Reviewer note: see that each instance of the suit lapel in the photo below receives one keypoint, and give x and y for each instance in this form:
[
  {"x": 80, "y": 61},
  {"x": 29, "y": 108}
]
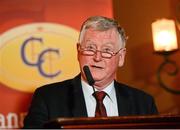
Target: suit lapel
[
  {"x": 79, "y": 107},
  {"x": 78, "y": 101},
  {"x": 123, "y": 100}
]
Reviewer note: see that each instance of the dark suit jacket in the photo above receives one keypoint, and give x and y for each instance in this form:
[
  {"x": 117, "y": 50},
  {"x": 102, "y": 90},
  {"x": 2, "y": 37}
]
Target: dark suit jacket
[{"x": 65, "y": 99}]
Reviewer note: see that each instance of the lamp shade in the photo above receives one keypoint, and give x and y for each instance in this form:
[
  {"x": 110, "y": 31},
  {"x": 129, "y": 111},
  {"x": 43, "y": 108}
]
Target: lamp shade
[{"x": 164, "y": 35}]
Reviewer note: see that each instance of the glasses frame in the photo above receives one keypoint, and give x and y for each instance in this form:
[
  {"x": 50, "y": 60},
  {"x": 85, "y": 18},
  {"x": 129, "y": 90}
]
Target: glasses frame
[{"x": 81, "y": 49}]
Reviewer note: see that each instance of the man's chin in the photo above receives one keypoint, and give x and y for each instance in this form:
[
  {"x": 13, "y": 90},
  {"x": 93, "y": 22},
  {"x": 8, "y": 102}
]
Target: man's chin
[
  {"x": 98, "y": 79},
  {"x": 98, "y": 76}
]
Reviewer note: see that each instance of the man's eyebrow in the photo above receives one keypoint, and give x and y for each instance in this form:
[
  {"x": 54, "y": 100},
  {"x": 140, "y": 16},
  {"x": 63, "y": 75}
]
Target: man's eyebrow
[
  {"x": 110, "y": 44},
  {"x": 88, "y": 40}
]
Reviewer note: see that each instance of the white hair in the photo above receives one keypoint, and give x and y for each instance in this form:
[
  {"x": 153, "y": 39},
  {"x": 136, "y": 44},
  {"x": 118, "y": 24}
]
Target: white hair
[{"x": 101, "y": 23}]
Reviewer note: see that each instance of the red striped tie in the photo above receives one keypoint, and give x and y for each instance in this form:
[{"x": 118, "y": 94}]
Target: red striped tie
[{"x": 100, "y": 108}]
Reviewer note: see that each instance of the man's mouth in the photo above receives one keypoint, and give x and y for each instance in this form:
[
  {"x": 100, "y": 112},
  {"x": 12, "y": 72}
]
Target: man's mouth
[{"x": 94, "y": 66}]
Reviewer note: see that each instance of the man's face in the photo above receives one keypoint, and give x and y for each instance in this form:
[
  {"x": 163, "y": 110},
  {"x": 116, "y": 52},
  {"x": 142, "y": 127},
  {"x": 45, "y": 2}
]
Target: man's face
[{"x": 103, "y": 69}]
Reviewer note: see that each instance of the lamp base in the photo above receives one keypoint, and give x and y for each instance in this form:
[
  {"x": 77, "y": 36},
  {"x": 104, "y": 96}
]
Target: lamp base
[
  {"x": 166, "y": 53},
  {"x": 161, "y": 69}
]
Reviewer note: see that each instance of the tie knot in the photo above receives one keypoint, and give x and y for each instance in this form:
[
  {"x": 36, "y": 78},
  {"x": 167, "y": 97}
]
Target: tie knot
[{"x": 99, "y": 95}]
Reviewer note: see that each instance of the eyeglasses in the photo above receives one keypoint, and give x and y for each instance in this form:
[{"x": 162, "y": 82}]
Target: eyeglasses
[{"x": 91, "y": 51}]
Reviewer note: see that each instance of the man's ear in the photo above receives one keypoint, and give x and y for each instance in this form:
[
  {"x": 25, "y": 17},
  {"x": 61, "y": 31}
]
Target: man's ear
[
  {"x": 77, "y": 47},
  {"x": 122, "y": 57}
]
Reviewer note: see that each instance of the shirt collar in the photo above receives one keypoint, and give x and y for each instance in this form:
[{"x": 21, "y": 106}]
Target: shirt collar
[{"x": 89, "y": 89}]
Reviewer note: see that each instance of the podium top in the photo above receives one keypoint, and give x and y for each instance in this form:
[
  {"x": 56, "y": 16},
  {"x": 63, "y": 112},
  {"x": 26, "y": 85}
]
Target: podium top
[{"x": 149, "y": 121}]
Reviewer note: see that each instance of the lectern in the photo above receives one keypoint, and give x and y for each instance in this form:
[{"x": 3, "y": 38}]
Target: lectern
[{"x": 140, "y": 122}]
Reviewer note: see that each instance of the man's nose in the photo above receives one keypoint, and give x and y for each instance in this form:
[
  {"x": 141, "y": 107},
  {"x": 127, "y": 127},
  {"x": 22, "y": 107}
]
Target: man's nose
[{"x": 97, "y": 56}]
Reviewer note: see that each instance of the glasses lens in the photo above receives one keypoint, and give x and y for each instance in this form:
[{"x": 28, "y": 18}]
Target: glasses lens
[
  {"x": 88, "y": 52},
  {"x": 106, "y": 55}
]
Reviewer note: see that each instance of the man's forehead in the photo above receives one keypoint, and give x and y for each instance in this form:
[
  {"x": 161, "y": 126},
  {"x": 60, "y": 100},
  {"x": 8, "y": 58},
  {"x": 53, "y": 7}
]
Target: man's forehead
[{"x": 105, "y": 34}]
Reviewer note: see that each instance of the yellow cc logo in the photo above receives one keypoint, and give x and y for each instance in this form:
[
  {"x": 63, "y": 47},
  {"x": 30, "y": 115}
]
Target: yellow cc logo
[{"x": 35, "y": 54}]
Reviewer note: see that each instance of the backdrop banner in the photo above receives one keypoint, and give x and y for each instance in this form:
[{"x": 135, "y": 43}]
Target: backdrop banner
[{"x": 38, "y": 46}]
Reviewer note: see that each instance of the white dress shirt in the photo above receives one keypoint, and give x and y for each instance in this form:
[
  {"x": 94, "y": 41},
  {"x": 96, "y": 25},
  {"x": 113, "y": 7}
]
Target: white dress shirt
[{"x": 110, "y": 101}]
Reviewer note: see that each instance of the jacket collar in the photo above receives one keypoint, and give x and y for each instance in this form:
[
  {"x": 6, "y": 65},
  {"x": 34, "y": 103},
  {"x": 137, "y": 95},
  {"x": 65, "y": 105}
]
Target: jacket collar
[
  {"x": 123, "y": 99},
  {"x": 79, "y": 106}
]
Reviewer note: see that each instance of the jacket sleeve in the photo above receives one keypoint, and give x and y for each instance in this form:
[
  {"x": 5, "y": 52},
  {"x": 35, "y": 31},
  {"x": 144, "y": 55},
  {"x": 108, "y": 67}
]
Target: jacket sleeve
[
  {"x": 152, "y": 107},
  {"x": 38, "y": 113}
]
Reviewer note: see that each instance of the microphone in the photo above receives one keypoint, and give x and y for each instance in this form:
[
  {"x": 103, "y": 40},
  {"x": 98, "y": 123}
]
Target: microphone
[
  {"x": 91, "y": 83},
  {"x": 89, "y": 76}
]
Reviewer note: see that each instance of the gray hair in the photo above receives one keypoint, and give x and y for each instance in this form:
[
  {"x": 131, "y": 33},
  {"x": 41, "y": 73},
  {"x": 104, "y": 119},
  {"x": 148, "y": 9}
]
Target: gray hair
[{"x": 101, "y": 23}]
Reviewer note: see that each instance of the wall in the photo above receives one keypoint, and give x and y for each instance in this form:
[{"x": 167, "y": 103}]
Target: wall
[{"x": 141, "y": 63}]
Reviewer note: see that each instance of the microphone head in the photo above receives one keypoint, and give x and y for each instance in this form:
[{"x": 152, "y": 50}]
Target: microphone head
[{"x": 88, "y": 75}]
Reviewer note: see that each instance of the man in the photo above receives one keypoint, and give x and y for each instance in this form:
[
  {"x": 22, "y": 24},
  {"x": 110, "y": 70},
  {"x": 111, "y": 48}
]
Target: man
[{"x": 101, "y": 47}]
